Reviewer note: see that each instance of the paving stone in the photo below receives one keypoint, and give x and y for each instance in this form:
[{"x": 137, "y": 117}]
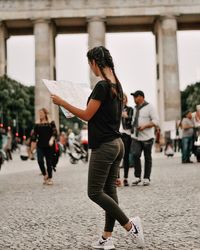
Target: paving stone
[{"x": 61, "y": 217}]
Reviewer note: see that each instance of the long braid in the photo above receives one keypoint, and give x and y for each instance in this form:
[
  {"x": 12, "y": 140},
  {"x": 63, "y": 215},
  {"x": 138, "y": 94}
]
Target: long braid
[{"x": 103, "y": 59}]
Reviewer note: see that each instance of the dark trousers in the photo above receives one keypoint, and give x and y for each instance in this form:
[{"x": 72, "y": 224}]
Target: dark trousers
[
  {"x": 187, "y": 145},
  {"x": 47, "y": 154},
  {"x": 127, "y": 145},
  {"x": 137, "y": 147},
  {"x": 102, "y": 175}
]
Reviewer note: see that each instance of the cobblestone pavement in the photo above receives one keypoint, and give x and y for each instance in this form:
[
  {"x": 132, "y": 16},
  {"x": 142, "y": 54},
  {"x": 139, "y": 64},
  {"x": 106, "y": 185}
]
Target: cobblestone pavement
[{"x": 34, "y": 216}]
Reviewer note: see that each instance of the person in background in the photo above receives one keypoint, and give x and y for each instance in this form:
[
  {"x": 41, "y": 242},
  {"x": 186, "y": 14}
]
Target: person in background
[
  {"x": 187, "y": 126},
  {"x": 8, "y": 146},
  {"x": 63, "y": 141},
  {"x": 158, "y": 137},
  {"x": 45, "y": 133},
  {"x": 103, "y": 113},
  {"x": 125, "y": 130},
  {"x": 144, "y": 121},
  {"x": 71, "y": 139},
  {"x": 196, "y": 120},
  {"x": 84, "y": 139},
  {"x": 178, "y": 138},
  {"x": 169, "y": 148}
]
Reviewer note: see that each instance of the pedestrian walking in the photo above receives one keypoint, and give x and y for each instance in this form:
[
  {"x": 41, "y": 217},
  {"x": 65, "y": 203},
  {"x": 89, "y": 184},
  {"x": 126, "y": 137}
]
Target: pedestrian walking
[
  {"x": 125, "y": 130},
  {"x": 103, "y": 113},
  {"x": 187, "y": 125},
  {"x": 144, "y": 121},
  {"x": 8, "y": 146},
  {"x": 44, "y": 134}
]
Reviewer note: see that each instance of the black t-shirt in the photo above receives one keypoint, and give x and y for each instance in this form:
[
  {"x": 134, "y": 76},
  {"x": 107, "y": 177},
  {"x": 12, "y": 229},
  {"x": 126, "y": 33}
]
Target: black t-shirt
[
  {"x": 43, "y": 132},
  {"x": 104, "y": 125}
]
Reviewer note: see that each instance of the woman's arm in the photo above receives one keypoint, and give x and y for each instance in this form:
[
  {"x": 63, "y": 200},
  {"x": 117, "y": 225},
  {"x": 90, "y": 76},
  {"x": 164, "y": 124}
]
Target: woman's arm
[{"x": 86, "y": 114}]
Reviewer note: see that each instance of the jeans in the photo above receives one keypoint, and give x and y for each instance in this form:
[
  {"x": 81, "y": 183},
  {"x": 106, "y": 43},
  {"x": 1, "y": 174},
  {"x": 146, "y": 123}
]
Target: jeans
[
  {"x": 136, "y": 148},
  {"x": 102, "y": 175},
  {"x": 47, "y": 154},
  {"x": 187, "y": 144}
]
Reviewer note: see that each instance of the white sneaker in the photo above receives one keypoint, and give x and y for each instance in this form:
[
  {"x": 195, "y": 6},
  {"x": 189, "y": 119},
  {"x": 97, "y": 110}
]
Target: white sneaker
[
  {"x": 136, "y": 181},
  {"x": 104, "y": 244},
  {"x": 146, "y": 182},
  {"x": 137, "y": 232}
]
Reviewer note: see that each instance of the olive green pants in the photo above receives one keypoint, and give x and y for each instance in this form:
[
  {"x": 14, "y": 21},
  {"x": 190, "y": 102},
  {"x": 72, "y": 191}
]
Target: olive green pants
[{"x": 102, "y": 175}]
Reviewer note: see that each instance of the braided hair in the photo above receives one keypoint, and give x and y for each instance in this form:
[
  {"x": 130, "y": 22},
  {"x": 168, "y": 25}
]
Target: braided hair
[{"x": 103, "y": 59}]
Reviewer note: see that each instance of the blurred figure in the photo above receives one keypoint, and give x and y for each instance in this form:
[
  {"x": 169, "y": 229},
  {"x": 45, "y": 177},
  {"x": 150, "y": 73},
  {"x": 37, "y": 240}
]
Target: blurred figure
[
  {"x": 56, "y": 152},
  {"x": 196, "y": 120},
  {"x": 71, "y": 139},
  {"x": 44, "y": 135},
  {"x": 1, "y": 147},
  {"x": 187, "y": 126},
  {"x": 158, "y": 147},
  {"x": 8, "y": 146},
  {"x": 125, "y": 130},
  {"x": 169, "y": 149},
  {"x": 84, "y": 139},
  {"x": 63, "y": 141},
  {"x": 24, "y": 151},
  {"x": 177, "y": 141},
  {"x": 31, "y": 146}
]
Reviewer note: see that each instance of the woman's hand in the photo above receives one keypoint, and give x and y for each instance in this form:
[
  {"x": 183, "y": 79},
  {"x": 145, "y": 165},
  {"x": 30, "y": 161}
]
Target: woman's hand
[
  {"x": 51, "y": 141},
  {"x": 57, "y": 100}
]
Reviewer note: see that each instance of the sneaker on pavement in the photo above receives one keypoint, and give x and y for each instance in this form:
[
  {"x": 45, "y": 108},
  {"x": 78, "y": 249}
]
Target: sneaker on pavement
[
  {"x": 49, "y": 182},
  {"x": 146, "y": 182},
  {"x": 126, "y": 184},
  {"x": 136, "y": 181},
  {"x": 104, "y": 244},
  {"x": 137, "y": 232}
]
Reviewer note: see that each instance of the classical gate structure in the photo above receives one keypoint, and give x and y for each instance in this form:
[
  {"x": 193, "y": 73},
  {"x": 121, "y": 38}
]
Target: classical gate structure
[{"x": 47, "y": 18}]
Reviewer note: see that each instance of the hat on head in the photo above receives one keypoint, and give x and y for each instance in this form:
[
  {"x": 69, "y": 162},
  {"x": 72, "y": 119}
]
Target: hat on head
[
  {"x": 138, "y": 93},
  {"x": 198, "y": 107}
]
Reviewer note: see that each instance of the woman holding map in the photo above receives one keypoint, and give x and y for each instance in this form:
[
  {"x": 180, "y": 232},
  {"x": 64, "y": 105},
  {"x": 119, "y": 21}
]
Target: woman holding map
[{"x": 103, "y": 113}]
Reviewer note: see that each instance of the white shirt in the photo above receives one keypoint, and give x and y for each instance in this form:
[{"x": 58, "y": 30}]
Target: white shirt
[
  {"x": 195, "y": 120},
  {"x": 147, "y": 114}
]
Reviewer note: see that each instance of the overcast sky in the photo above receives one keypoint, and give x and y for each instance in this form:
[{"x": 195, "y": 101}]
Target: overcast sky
[{"x": 133, "y": 55}]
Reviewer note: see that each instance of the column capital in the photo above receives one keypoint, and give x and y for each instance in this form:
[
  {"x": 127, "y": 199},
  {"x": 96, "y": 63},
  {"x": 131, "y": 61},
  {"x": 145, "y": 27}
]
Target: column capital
[
  {"x": 41, "y": 20},
  {"x": 96, "y": 19},
  {"x": 169, "y": 17}
]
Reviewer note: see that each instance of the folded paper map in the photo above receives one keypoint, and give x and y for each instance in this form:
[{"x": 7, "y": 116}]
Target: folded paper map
[{"x": 74, "y": 93}]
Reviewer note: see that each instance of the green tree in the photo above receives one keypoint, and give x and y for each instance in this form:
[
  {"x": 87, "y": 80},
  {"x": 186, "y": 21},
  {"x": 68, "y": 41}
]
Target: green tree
[
  {"x": 190, "y": 97},
  {"x": 16, "y": 105}
]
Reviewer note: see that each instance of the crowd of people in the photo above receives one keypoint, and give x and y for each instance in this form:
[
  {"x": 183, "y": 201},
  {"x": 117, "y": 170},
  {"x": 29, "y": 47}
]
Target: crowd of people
[
  {"x": 185, "y": 138},
  {"x": 116, "y": 135}
]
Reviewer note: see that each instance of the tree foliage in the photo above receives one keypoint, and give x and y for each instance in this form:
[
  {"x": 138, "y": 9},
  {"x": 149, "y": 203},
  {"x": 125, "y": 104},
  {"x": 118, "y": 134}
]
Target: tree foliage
[
  {"x": 190, "y": 97},
  {"x": 16, "y": 104}
]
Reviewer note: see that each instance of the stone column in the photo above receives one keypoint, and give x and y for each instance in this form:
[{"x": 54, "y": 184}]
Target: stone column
[
  {"x": 44, "y": 32},
  {"x": 3, "y": 59},
  {"x": 96, "y": 37},
  {"x": 167, "y": 69}
]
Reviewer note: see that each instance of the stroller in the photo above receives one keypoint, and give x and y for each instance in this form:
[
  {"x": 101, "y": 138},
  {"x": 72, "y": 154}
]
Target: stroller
[{"x": 77, "y": 153}]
